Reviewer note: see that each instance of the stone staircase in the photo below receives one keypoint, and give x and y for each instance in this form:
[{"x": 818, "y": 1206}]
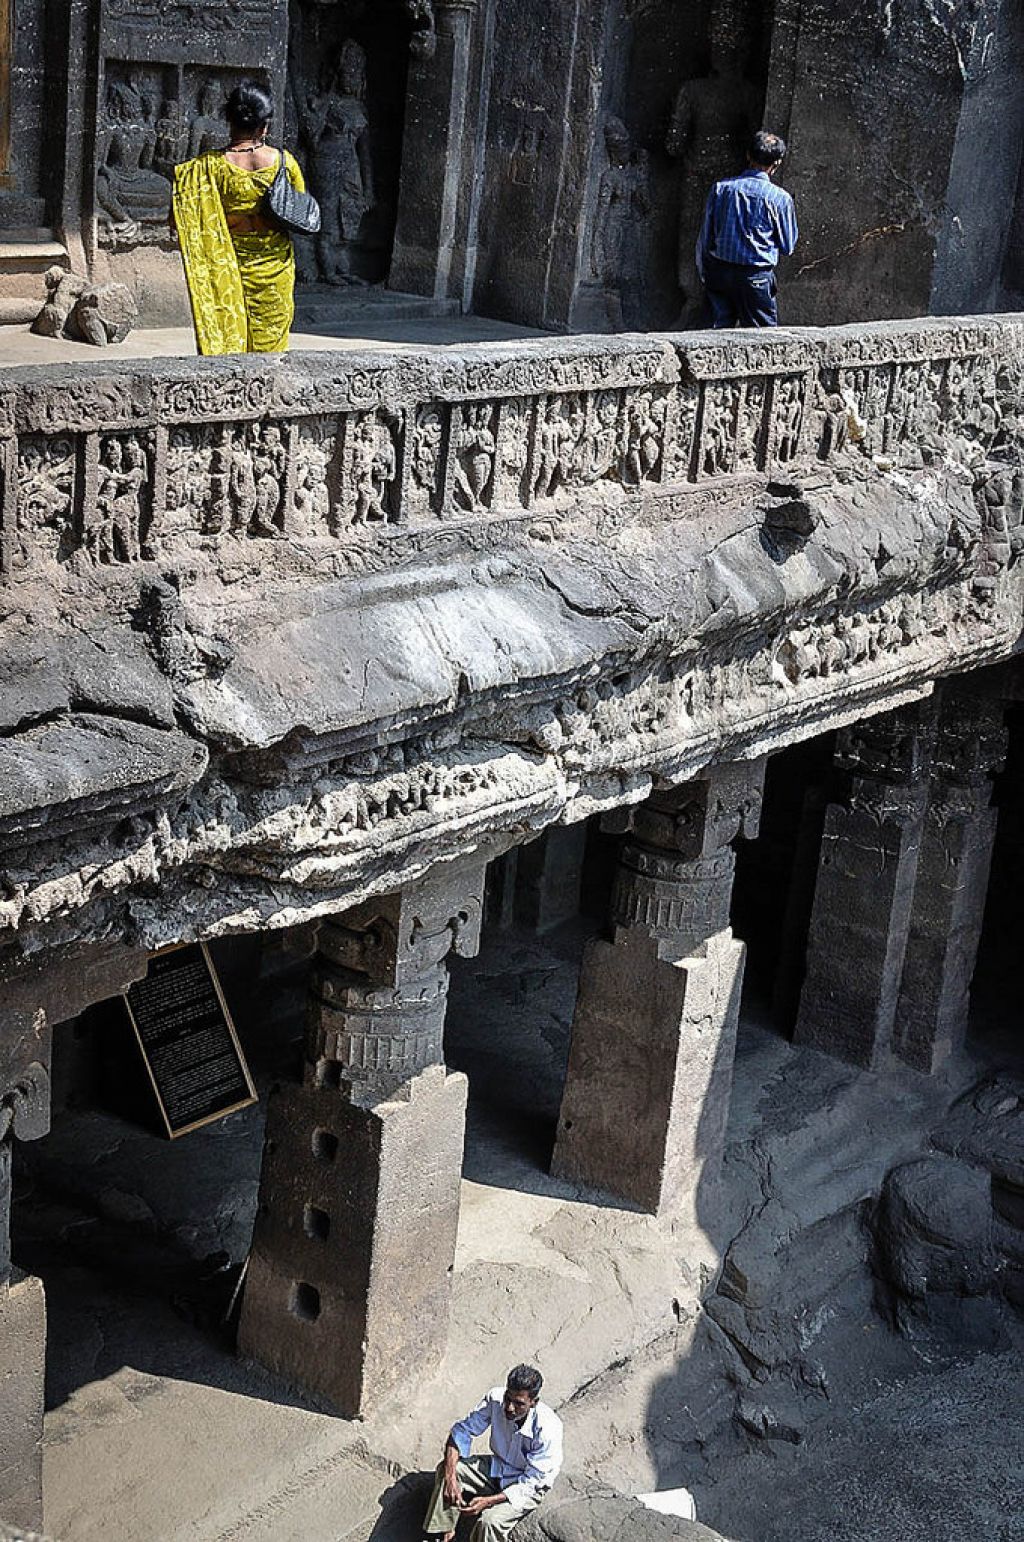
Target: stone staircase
[{"x": 25, "y": 254}]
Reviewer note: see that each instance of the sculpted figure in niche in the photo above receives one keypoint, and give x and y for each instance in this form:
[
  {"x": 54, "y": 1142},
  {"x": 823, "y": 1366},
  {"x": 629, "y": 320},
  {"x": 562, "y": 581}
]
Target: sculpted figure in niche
[
  {"x": 558, "y": 439},
  {"x": 114, "y": 534},
  {"x": 241, "y": 486},
  {"x": 374, "y": 465},
  {"x": 623, "y": 202},
  {"x": 129, "y": 190},
  {"x": 206, "y": 130},
  {"x": 170, "y": 139},
  {"x": 335, "y": 123},
  {"x": 475, "y": 450},
  {"x": 312, "y": 499},
  {"x": 645, "y": 431},
  {"x": 268, "y": 467},
  {"x": 713, "y": 118},
  {"x": 606, "y": 442}
]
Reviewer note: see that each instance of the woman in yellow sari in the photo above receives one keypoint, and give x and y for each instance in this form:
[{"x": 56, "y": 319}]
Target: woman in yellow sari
[{"x": 240, "y": 268}]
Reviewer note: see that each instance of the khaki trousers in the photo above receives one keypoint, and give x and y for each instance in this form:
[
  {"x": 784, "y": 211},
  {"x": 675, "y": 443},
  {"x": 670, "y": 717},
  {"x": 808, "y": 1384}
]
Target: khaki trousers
[{"x": 474, "y": 1474}]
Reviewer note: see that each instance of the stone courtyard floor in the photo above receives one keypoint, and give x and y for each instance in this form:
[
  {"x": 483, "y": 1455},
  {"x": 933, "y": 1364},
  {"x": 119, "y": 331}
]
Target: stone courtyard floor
[
  {"x": 371, "y": 327},
  {"x": 156, "y": 1432}
]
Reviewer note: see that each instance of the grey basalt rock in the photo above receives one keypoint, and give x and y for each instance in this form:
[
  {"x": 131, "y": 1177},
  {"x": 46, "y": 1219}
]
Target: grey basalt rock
[
  {"x": 591, "y": 1512},
  {"x": 934, "y": 1253}
]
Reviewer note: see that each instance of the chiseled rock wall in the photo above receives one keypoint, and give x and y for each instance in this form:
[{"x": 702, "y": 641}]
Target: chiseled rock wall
[{"x": 278, "y": 635}]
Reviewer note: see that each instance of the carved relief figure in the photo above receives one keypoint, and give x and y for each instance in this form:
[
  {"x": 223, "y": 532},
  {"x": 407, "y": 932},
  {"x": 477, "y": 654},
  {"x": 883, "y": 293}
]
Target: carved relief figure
[
  {"x": 426, "y": 450},
  {"x": 474, "y": 456},
  {"x": 514, "y": 450},
  {"x": 721, "y": 401},
  {"x": 750, "y": 422},
  {"x": 645, "y": 434},
  {"x": 713, "y": 118},
  {"x": 623, "y": 202},
  {"x": 235, "y": 466},
  {"x": 269, "y": 460},
  {"x": 206, "y": 129},
  {"x": 170, "y": 139},
  {"x": 606, "y": 444},
  {"x": 788, "y": 415},
  {"x": 129, "y": 190},
  {"x": 334, "y": 121},
  {"x": 423, "y": 42},
  {"x": 311, "y": 500},
  {"x": 374, "y": 465},
  {"x": 558, "y": 436},
  {"x": 113, "y": 531},
  {"x": 45, "y": 481}
]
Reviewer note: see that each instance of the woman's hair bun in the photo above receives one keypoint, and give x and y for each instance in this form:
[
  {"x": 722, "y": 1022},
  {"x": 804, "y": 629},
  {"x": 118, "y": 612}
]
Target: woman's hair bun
[{"x": 249, "y": 106}]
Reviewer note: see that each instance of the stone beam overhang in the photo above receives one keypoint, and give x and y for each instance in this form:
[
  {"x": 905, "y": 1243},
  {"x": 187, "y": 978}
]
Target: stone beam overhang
[{"x": 279, "y": 634}]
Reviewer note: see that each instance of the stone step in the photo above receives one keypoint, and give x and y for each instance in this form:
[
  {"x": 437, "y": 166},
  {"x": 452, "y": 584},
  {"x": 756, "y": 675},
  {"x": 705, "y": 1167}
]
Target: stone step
[
  {"x": 29, "y": 249},
  {"x": 329, "y": 305}
]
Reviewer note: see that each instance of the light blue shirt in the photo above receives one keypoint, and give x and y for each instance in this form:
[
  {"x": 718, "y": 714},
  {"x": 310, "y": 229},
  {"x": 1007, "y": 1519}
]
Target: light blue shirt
[
  {"x": 747, "y": 220},
  {"x": 525, "y": 1459}
]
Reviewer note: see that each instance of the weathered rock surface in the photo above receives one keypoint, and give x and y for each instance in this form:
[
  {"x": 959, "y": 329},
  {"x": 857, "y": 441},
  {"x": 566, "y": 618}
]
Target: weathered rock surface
[
  {"x": 577, "y": 1512},
  {"x": 934, "y": 1245},
  {"x": 475, "y": 619}
]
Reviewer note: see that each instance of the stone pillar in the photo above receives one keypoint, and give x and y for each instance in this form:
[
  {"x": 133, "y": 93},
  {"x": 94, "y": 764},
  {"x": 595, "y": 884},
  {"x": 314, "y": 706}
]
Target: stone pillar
[
  {"x": 864, "y": 893},
  {"x": 25, "y": 1041},
  {"x": 549, "y": 877},
  {"x": 349, "y": 1278},
  {"x": 438, "y": 161},
  {"x": 952, "y": 881},
  {"x": 650, "y": 1067}
]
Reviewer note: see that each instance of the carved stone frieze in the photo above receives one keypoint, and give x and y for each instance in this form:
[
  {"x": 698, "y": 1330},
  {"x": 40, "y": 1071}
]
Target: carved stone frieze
[{"x": 373, "y": 613}]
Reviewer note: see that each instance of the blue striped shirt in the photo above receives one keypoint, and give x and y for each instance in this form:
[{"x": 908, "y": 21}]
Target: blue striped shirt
[{"x": 747, "y": 220}]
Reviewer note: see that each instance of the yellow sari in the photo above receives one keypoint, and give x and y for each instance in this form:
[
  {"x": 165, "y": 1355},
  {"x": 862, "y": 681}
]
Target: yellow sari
[{"x": 241, "y": 286}]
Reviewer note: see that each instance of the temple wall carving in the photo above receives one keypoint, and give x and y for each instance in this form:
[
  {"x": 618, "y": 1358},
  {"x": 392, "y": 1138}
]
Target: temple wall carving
[{"x": 373, "y": 611}]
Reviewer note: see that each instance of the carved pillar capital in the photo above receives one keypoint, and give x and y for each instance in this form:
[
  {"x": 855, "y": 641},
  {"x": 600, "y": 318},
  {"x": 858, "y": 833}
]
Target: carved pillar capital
[
  {"x": 676, "y": 864},
  {"x": 380, "y": 984},
  {"x": 894, "y": 747}
]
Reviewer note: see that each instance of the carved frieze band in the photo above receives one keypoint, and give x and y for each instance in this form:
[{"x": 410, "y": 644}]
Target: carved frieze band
[{"x": 142, "y": 462}]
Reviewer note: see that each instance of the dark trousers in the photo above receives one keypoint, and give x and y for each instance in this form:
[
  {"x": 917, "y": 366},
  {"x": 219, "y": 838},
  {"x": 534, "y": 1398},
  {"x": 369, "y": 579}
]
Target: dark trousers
[{"x": 739, "y": 295}]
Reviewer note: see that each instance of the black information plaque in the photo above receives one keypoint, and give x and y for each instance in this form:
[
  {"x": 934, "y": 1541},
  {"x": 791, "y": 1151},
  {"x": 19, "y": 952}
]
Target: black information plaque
[{"x": 188, "y": 1041}]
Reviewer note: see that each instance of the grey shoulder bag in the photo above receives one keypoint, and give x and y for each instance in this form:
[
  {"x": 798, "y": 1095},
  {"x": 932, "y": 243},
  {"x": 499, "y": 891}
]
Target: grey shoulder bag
[{"x": 284, "y": 206}]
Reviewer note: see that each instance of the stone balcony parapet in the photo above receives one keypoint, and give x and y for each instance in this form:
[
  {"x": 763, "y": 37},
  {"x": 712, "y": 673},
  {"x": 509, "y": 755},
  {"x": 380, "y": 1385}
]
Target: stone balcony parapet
[{"x": 353, "y": 614}]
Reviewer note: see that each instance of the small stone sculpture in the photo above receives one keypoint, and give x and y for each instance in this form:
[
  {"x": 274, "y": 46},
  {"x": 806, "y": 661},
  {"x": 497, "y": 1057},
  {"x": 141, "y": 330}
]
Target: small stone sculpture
[
  {"x": 62, "y": 292},
  {"x": 103, "y": 314},
  {"x": 89, "y": 313}
]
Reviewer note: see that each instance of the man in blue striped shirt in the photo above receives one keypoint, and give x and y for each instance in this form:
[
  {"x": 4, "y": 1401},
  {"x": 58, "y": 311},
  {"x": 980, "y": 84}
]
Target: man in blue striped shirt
[{"x": 748, "y": 222}]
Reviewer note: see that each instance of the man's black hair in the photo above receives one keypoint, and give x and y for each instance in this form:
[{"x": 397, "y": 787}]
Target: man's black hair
[
  {"x": 249, "y": 107},
  {"x": 524, "y": 1378},
  {"x": 767, "y": 149}
]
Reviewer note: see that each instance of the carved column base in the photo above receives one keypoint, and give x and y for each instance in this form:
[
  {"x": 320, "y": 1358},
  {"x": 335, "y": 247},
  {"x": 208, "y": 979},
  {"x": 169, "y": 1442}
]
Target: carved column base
[
  {"x": 945, "y": 930},
  {"x": 650, "y": 1073},
  {"x": 349, "y": 1280},
  {"x": 859, "y": 927},
  {"x": 22, "y": 1371}
]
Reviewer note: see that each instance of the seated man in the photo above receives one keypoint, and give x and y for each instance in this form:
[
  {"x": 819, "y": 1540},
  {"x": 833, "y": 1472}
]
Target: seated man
[{"x": 498, "y": 1490}]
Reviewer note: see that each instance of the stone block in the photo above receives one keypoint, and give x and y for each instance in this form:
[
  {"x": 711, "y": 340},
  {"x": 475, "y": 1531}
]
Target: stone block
[
  {"x": 650, "y": 1073},
  {"x": 22, "y": 1369},
  {"x": 349, "y": 1280}
]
